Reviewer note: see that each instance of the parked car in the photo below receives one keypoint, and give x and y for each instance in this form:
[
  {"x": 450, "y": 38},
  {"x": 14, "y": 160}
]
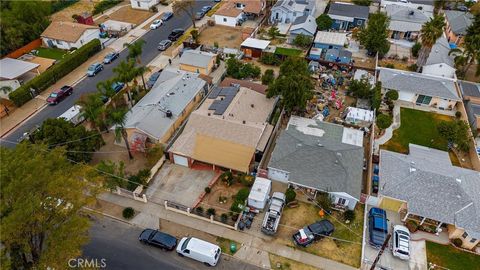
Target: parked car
[
  {"x": 153, "y": 78},
  {"x": 110, "y": 57},
  {"x": 158, "y": 239},
  {"x": 377, "y": 227},
  {"x": 59, "y": 95},
  {"x": 94, "y": 69},
  {"x": 199, "y": 15},
  {"x": 206, "y": 9},
  {"x": 167, "y": 16},
  {"x": 199, "y": 250},
  {"x": 156, "y": 24},
  {"x": 117, "y": 86},
  {"x": 175, "y": 34},
  {"x": 164, "y": 44},
  {"x": 29, "y": 134},
  {"x": 462, "y": 8},
  {"x": 313, "y": 232},
  {"x": 401, "y": 242}
]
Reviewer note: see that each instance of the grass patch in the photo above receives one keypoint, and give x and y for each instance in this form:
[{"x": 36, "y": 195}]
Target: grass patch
[
  {"x": 450, "y": 257},
  {"x": 214, "y": 9},
  {"x": 287, "y": 51},
  {"x": 417, "y": 127},
  {"x": 224, "y": 244},
  {"x": 278, "y": 262},
  {"x": 51, "y": 53}
]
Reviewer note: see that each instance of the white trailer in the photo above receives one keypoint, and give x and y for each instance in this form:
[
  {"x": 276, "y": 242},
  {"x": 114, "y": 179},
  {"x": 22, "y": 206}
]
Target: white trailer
[
  {"x": 73, "y": 115},
  {"x": 259, "y": 193}
]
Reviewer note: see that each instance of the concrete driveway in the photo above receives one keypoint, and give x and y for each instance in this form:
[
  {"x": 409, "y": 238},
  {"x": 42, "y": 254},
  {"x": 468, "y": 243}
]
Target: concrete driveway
[{"x": 178, "y": 184}]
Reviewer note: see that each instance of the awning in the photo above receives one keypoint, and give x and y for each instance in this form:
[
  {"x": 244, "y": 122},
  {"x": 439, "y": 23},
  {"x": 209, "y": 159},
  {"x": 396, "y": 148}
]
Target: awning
[{"x": 12, "y": 68}]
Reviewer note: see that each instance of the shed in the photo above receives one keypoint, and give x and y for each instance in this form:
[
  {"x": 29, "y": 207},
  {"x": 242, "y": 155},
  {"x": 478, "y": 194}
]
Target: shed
[
  {"x": 253, "y": 47},
  {"x": 259, "y": 193},
  {"x": 338, "y": 55},
  {"x": 358, "y": 116}
]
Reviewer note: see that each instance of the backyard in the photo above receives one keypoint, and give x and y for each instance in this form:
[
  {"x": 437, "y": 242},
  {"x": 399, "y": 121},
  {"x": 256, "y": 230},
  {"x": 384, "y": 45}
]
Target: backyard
[
  {"x": 51, "y": 53},
  {"x": 337, "y": 250},
  {"x": 450, "y": 257},
  {"x": 224, "y": 36},
  {"x": 417, "y": 127}
]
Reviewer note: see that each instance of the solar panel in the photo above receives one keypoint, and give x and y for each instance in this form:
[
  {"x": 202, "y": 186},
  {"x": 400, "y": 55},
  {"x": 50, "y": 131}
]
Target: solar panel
[
  {"x": 215, "y": 92},
  {"x": 227, "y": 94}
]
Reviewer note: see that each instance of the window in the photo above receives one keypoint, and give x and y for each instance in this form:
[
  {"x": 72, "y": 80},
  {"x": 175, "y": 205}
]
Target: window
[
  {"x": 359, "y": 22},
  {"x": 342, "y": 201},
  {"x": 138, "y": 3},
  {"x": 465, "y": 235},
  {"x": 423, "y": 100},
  {"x": 224, "y": 19},
  {"x": 59, "y": 42},
  {"x": 473, "y": 240}
]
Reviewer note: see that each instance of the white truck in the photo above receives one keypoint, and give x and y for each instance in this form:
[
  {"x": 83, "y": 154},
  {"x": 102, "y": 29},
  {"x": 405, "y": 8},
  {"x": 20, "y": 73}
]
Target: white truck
[
  {"x": 274, "y": 213},
  {"x": 73, "y": 115}
]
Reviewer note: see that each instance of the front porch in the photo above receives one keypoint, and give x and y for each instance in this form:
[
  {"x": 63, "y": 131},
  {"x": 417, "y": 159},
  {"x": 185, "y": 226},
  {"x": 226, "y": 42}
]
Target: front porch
[
  {"x": 450, "y": 111},
  {"x": 423, "y": 228}
]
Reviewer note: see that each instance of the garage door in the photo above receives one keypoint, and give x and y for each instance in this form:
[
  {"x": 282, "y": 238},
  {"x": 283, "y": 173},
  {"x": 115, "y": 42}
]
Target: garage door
[
  {"x": 390, "y": 204},
  {"x": 180, "y": 160}
]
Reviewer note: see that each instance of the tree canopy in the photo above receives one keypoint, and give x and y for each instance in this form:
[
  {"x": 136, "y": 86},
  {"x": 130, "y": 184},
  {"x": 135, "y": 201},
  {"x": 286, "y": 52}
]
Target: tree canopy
[
  {"x": 302, "y": 41},
  {"x": 430, "y": 32},
  {"x": 42, "y": 194},
  {"x": 324, "y": 22},
  {"x": 383, "y": 121},
  {"x": 456, "y": 132},
  {"x": 239, "y": 70},
  {"x": 268, "y": 77},
  {"x": 375, "y": 36}
]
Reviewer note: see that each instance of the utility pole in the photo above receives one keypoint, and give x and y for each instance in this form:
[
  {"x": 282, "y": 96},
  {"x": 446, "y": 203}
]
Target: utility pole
[{"x": 384, "y": 246}]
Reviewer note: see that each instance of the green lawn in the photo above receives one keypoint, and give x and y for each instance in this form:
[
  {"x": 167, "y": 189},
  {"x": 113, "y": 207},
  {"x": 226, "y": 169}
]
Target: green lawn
[
  {"x": 287, "y": 51},
  {"x": 51, "y": 53},
  {"x": 224, "y": 244},
  {"x": 451, "y": 258},
  {"x": 417, "y": 127}
]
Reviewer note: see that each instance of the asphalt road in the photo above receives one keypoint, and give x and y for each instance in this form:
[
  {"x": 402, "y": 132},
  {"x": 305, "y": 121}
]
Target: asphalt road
[
  {"x": 116, "y": 245},
  {"x": 88, "y": 85}
]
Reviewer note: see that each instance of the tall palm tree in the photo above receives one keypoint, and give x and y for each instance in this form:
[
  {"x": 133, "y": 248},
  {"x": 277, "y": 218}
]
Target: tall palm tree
[
  {"x": 135, "y": 50},
  {"x": 106, "y": 90},
  {"x": 470, "y": 53},
  {"x": 125, "y": 72},
  {"x": 429, "y": 34},
  {"x": 92, "y": 110},
  {"x": 117, "y": 118}
]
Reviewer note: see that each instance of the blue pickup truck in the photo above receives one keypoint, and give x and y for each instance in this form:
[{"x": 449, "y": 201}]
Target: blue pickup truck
[{"x": 377, "y": 227}]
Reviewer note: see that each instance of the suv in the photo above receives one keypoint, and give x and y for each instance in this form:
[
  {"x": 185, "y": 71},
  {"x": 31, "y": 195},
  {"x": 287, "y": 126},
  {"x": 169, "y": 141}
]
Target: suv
[
  {"x": 164, "y": 44},
  {"x": 377, "y": 226},
  {"x": 110, "y": 57},
  {"x": 94, "y": 69},
  {"x": 58, "y": 95},
  {"x": 401, "y": 242},
  {"x": 158, "y": 239},
  {"x": 175, "y": 34},
  {"x": 312, "y": 232}
]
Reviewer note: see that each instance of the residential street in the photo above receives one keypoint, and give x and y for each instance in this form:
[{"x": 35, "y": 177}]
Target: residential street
[
  {"x": 88, "y": 84},
  {"x": 118, "y": 244}
]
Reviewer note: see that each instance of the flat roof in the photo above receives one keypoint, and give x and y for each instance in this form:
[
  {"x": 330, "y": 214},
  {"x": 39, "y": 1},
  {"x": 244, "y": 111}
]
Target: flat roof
[
  {"x": 13, "y": 68},
  {"x": 332, "y": 38},
  {"x": 256, "y": 43}
]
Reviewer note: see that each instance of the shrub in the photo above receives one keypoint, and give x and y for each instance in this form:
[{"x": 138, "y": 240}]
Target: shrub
[
  {"x": 153, "y": 9},
  {"x": 199, "y": 210},
  {"x": 458, "y": 114},
  {"x": 211, "y": 212},
  {"x": 324, "y": 201},
  {"x": 227, "y": 178},
  {"x": 224, "y": 218},
  {"x": 71, "y": 61},
  {"x": 349, "y": 215},
  {"x": 242, "y": 195},
  {"x": 208, "y": 190},
  {"x": 302, "y": 41},
  {"x": 405, "y": 58},
  {"x": 290, "y": 195},
  {"x": 416, "y": 48},
  {"x": 269, "y": 59},
  {"x": 235, "y": 208},
  {"x": 246, "y": 180},
  {"x": 128, "y": 213},
  {"x": 324, "y": 22},
  {"x": 412, "y": 226},
  {"x": 268, "y": 77},
  {"x": 384, "y": 121},
  {"x": 390, "y": 65},
  {"x": 362, "y": 2},
  {"x": 457, "y": 242},
  {"x": 101, "y": 6},
  {"x": 412, "y": 67},
  {"x": 391, "y": 95}
]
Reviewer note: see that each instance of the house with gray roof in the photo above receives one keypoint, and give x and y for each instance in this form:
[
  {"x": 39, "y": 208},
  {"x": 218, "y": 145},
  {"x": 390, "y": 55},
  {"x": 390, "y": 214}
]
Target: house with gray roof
[
  {"x": 320, "y": 156},
  {"x": 437, "y": 93},
  {"x": 347, "y": 16},
  {"x": 161, "y": 111},
  {"x": 471, "y": 100},
  {"x": 439, "y": 62},
  {"x": 286, "y": 11},
  {"x": 424, "y": 186},
  {"x": 197, "y": 61},
  {"x": 456, "y": 24},
  {"x": 405, "y": 22},
  {"x": 305, "y": 25}
]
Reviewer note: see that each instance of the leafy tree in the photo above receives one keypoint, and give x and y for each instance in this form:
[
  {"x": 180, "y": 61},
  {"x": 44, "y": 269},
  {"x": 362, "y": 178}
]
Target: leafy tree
[
  {"x": 302, "y": 40},
  {"x": 273, "y": 32},
  {"x": 290, "y": 195},
  {"x": 376, "y": 98},
  {"x": 392, "y": 95},
  {"x": 138, "y": 179},
  {"x": 238, "y": 70},
  {"x": 375, "y": 36},
  {"x": 471, "y": 49},
  {"x": 429, "y": 33},
  {"x": 456, "y": 132},
  {"x": 79, "y": 142},
  {"x": 187, "y": 7},
  {"x": 384, "y": 121},
  {"x": 114, "y": 173},
  {"x": 268, "y": 77},
  {"x": 42, "y": 194},
  {"x": 416, "y": 48},
  {"x": 362, "y": 2},
  {"x": 92, "y": 110},
  {"x": 117, "y": 118},
  {"x": 324, "y": 22},
  {"x": 294, "y": 84},
  {"x": 269, "y": 59},
  {"x": 360, "y": 88}
]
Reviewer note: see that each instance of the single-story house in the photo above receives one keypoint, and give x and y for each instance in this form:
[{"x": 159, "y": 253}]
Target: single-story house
[
  {"x": 320, "y": 156},
  {"x": 253, "y": 48},
  {"x": 232, "y": 12},
  {"x": 439, "y": 62},
  {"x": 359, "y": 117},
  {"x": 471, "y": 100},
  {"x": 419, "y": 89},
  {"x": 456, "y": 24},
  {"x": 155, "y": 118},
  {"x": 406, "y": 22},
  {"x": 227, "y": 132},
  {"x": 424, "y": 5},
  {"x": 13, "y": 72},
  {"x": 286, "y": 11},
  {"x": 426, "y": 187},
  {"x": 143, "y": 4},
  {"x": 305, "y": 25},
  {"x": 326, "y": 40},
  {"x": 198, "y": 61},
  {"x": 338, "y": 55},
  {"x": 68, "y": 35},
  {"x": 347, "y": 16}
]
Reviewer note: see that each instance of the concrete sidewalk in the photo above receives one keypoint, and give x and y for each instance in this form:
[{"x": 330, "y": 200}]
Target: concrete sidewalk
[{"x": 255, "y": 246}]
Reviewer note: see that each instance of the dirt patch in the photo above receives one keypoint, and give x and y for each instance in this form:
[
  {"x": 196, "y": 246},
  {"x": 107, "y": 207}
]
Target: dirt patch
[
  {"x": 364, "y": 62},
  {"x": 109, "y": 208},
  {"x": 65, "y": 15},
  {"x": 180, "y": 231},
  {"x": 278, "y": 262},
  {"x": 127, "y": 14},
  {"x": 397, "y": 64},
  {"x": 224, "y": 36}
]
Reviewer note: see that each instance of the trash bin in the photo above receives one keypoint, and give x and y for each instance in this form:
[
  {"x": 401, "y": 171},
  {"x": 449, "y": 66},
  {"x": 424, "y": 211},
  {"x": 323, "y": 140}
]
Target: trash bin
[{"x": 233, "y": 247}]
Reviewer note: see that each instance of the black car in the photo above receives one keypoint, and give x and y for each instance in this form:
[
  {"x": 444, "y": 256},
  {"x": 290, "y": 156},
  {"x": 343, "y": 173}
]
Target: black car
[
  {"x": 153, "y": 78},
  {"x": 158, "y": 239},
  {"x": 312, "y": 232},
  {"x": 199, "y": 15},
  {"x": 167, "y": 16},
  {"x": 175, "y": 34}
]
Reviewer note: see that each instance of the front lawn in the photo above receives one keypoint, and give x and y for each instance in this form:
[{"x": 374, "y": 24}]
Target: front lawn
[
  {"x": 225, "y": 243},
  {"x": 417, "y": 127},
  {"x": 51, "y": 53},
  {"x": 451, "y": 258}
]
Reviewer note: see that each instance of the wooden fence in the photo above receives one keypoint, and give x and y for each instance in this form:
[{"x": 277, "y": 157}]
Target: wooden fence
[{"x": 25, "y": 49}]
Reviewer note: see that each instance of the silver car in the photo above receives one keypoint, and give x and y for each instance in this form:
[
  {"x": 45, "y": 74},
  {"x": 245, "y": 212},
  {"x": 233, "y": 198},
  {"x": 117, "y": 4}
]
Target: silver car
[{"x": 164, "y": 44}]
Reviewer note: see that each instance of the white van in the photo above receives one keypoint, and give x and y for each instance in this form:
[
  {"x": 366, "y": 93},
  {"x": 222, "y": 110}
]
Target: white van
[{"x": 199, "y": 250}]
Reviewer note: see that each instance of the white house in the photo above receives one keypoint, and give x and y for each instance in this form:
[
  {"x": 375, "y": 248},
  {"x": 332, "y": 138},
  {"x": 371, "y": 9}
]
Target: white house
[
  {"x": 305, "y": 25},
  {"x": 233, "y": 12},
  {"x": 286, "y": 11},
  {"x": 143, "y": 4},
  {"x": 439, "y": 62},
  {"x": 425, "y": 5},
  {"x": 68, "y": 35}
]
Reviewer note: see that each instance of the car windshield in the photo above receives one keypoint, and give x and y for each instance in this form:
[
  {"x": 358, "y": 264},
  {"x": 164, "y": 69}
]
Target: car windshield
[
  {"x": 185, "y": 243},
  {"x": 53, "y": 95},
  {"x": 402, "y": 252},
  {"x": 91, "y": 68}
]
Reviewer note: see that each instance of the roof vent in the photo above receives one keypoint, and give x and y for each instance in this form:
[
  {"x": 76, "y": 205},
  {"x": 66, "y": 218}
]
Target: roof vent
[
  {"x": 339, "y": 154},
  {"x": 209, "y": 114},
  {"x": 252, "y": 105},
  {"x": 320, "y": 145},
  {"x": 412, "y": 169},
  {"x": 411, "y": 12},
  {"x": 459, "y": 180},
  {"x": 244, "y": 122}
]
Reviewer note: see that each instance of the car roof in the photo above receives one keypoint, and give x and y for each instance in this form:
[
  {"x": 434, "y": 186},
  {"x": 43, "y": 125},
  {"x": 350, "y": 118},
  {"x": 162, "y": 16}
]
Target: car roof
[
  {"x": 177, "y": 30},
  {"x": 201, "y": 246},
  {"x": 164, "y": 238},
  {"x": 321, "y": 226},
  {"x": 378, "y": 211}
]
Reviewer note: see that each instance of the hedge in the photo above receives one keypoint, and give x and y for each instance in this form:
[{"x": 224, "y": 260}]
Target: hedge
[
  {"x": 71, "y": 61},
  {"x": 101, "y": 6}
]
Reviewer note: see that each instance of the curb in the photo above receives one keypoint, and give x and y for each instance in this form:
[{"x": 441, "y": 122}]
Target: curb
[
  {"x": 23, "y": 120},
  {"x": 109, "y": 216}
]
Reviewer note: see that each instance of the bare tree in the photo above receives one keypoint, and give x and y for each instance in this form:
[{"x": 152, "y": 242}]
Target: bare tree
[{"x": 185, "y": 6}]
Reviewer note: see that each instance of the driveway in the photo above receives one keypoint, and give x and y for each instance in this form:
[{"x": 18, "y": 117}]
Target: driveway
[{"x": 178, "y": 184}]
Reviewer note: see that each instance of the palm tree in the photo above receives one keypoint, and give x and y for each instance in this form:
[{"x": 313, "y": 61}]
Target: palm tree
[
  {"x": 92, "y": 110},
  {"x": 135, "y": 50},
  {"x": 429, "y": 34},
  {"x": 106, "y": 90},
  {"x": 471, "y": 50},
  {"x": 117, "y": 118},
  {"x": 125, "y": 72}
]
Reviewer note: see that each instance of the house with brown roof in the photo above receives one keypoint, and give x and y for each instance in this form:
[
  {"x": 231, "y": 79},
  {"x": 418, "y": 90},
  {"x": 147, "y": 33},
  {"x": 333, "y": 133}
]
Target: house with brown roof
[
  {"x": 234, "y": 12},
  {"x": 68, "y": 35},
  {"x": 227, "y": 132}
]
